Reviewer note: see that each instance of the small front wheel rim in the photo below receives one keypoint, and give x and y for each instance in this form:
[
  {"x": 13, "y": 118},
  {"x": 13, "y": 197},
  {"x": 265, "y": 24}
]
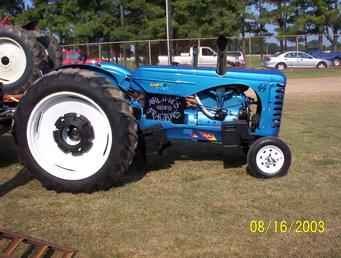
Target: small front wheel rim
[
  {"x": 270, "y": 159},
  {"x": 47, "y": 152},
  {"x": 13, "y": 60}
]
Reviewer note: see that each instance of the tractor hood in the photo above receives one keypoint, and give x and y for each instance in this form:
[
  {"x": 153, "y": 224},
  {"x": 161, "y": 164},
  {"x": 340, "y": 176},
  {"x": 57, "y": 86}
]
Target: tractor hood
[
  {"x": 244, "y": 73},
  {"x": 186, "y": 81}
]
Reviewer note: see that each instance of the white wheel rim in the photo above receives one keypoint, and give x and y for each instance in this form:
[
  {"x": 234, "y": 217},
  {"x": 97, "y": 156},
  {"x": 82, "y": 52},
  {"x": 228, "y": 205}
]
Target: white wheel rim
[
  {"x": 337, "y": 62},
  {"x": 321, "y": 66},
  {"x": 44, "y": 149},
  {"x": 12, "y": 60},
  {"x": 281, "y": 67},
  {"x": 270, "y": 159}
]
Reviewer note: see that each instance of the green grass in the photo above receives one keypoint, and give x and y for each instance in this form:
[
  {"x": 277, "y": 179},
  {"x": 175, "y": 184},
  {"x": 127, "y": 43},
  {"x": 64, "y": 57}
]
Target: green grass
[
  {"x": 194, "y": 204},
  {"x": 313, "y": 73},
  {"x": 254, "y": 61}
]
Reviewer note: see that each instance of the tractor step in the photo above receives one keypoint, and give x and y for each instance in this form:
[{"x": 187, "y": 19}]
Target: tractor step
[
  {"x": 30, "y": 247},
  {"x": 236, "y": 133},
  {"x": 155, "y": 139}
]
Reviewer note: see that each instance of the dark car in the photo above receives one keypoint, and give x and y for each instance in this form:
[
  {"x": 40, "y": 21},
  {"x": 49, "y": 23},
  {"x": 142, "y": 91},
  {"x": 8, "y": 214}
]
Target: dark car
[{"x": 333, "y": 56}]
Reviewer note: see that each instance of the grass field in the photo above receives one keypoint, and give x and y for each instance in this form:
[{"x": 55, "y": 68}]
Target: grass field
[
  {"x": 312, "y": 73},
  {"x": 196, "y": 203}
]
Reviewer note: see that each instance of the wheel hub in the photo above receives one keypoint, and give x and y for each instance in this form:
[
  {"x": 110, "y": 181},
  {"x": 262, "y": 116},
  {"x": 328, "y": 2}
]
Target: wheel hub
[
  {"x": 270, "y": 159},
  {"x": 74, "y": 134},
  {"x": 5, "y": 60},
  {"x": 13, "y": 60}
]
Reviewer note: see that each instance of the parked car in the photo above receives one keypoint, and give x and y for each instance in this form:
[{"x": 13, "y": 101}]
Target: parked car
[
  {"x": 235, "y": 58},
  {"x": 332, "y": 56},
  {"x": 295, "y": 59},
  {"x": 206, "y": 57}
]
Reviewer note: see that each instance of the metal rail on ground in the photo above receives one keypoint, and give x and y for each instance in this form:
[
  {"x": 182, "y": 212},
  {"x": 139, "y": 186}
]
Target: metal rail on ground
[{"x": 36, "y": 248}]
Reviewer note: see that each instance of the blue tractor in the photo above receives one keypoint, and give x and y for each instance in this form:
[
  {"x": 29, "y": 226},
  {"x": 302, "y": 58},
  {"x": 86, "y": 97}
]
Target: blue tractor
[{"x": 78, "y": 128}]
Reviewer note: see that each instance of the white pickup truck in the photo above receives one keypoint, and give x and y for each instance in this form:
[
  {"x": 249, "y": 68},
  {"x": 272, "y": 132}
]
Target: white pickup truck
[{"x": 206, "y": 57}]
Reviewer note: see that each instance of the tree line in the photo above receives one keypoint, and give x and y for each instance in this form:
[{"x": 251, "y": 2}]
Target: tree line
[{"x": 119, "y": 20}]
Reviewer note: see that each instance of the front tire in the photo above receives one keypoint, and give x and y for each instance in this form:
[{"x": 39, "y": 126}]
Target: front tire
[
  {"x": 75, "y": 132},
  {"x": 321, "y": 65},
  {"x": 281, "y": 66},
  {"x": 269, "y": 157},
  {"x": 337, "y": 61}
]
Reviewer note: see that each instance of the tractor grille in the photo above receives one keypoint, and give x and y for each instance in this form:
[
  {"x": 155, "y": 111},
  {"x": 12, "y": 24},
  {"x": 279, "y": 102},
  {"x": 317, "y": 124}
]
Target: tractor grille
[{"x": 278, "y": 105}]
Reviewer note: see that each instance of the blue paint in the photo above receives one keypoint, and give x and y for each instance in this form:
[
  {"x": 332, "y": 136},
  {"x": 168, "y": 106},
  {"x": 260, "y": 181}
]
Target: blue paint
[{"x": 184, "y": 81}]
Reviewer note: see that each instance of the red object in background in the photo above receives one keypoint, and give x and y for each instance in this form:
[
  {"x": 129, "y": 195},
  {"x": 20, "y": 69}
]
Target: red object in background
[
  {"x": 77, "y": 57},
  {"x": 5, "y": 21}
]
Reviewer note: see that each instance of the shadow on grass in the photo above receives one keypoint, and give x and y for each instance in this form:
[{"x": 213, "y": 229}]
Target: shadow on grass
[
  {"x": 20, "y": 179},
  {"x": 8, "y": 156},
  {"x": 8, "y": 152},
  {"x": 232, "y": 158}
]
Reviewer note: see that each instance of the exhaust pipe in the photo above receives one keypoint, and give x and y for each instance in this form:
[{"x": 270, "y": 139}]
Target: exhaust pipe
[
  {"x": 221, "y": 59},
  {"x": 195, "y": 56}
]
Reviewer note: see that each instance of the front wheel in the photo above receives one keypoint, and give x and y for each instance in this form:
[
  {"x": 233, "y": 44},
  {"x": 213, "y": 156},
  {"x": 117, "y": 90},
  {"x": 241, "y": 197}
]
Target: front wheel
[
  {"x": 269, "y": 157},
  {"x": 337, "y": 61},
  {"x": 321, "y": 65},
  {"x": 281, "y": 66},
  {"x": 75, "y": 132}
]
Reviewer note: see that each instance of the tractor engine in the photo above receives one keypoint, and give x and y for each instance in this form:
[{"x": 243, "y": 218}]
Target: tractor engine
[
  {"x": 207, "y": 108},
  {"x": 212, "y": 107}
]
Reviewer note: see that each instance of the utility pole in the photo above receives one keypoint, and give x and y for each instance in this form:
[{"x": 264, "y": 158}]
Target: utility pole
[
  {"x": 122, "y": 14},
  {"x": 168, "y": 24},
  {"x": 122, "y": 25}
]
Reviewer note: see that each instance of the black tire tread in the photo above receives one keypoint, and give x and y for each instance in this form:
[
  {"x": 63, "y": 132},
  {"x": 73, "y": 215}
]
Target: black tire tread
[
  {"x": 128, "y": 137},
  {"x": 55, "y": 52},
  {"x": 39, "y": 58}
]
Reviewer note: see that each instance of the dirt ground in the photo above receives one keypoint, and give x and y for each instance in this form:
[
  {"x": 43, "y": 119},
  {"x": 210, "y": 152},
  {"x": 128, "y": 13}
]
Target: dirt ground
[{"x": 314, "y": 86}]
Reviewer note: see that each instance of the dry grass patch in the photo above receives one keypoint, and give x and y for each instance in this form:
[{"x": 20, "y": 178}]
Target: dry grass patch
[{"x": 194, "y": 202}]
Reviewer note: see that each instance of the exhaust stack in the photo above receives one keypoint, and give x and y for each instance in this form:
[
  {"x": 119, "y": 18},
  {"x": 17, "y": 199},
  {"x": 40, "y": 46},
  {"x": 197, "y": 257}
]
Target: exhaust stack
[
  {"x": 195, "y": 56},
  {"x": 221, "y": 59}
]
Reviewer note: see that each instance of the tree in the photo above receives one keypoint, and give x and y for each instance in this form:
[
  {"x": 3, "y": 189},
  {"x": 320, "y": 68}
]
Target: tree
[
  {"x": 322, "y": 17},
  {"x": 279, "y": 14},
  {"x": 11, "y": 7},
  {"x": 200, "y": 18}
]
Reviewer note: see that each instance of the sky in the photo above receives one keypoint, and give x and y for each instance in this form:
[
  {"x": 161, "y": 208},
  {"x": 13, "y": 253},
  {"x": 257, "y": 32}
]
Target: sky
[{"x": 28, "y": 2}]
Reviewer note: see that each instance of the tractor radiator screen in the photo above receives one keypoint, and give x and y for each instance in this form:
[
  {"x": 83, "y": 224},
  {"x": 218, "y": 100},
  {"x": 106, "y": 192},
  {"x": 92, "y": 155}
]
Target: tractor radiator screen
[{"x": 166, "y": 108}]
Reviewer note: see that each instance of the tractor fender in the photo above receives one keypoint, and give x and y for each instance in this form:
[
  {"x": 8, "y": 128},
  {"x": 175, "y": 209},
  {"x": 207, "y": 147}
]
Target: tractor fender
[{"x": 117, "y": 77}]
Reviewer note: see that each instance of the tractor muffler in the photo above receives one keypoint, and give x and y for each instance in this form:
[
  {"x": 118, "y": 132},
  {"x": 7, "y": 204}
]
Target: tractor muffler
[{"x": 221, "y": 59}]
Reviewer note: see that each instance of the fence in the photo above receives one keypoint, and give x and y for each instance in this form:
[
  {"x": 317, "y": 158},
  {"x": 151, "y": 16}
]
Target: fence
[{"x": 134, "y": 53}]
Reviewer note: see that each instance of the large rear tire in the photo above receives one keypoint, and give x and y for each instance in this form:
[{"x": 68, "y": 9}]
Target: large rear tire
[
  {"x": 22, "y": 59},
  {"x": 75, "y": 132}
]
